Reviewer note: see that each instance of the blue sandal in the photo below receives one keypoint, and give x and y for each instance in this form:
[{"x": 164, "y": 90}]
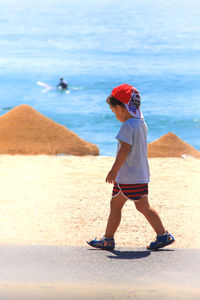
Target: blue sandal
[
  {"x": 161, "y": 241},
  {"x": 103, "y": 243}
]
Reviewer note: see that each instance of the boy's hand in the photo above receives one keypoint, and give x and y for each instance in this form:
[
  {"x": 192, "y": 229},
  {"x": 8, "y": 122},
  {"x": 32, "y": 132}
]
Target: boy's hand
[
  {"x": 111, "y": 176},
  {"x": 120, "y": 159}
]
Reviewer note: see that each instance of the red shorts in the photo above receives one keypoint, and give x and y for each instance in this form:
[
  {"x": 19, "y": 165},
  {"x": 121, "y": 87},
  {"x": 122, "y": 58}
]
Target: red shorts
[{"x": 130, "y": 191}]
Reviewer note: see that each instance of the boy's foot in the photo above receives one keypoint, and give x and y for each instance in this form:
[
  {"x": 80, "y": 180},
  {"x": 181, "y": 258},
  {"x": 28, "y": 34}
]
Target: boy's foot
[
  {"x": 161, "y": 241},
  {"x": 103, "y": 243}
]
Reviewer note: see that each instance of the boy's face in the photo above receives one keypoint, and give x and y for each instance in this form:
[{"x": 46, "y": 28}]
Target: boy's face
[{"x": 120, "y": 112}]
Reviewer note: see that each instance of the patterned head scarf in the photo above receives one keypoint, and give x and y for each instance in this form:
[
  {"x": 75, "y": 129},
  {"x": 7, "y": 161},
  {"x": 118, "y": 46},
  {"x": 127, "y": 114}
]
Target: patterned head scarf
[{"x": 130, "y": 96}]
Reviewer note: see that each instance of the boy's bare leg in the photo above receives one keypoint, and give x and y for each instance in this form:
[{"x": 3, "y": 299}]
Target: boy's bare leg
[
  {"x": 114, "y": 219},
  {"x": 150, "y": 214}
]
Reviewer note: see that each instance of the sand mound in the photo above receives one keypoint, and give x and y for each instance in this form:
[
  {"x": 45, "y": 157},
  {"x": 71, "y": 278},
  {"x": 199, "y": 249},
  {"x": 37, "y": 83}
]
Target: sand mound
[
  {"x": 23, "y": 130},
  {"x": 170, "y": 145}
]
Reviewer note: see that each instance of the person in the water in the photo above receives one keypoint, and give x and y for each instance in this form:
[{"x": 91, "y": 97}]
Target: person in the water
[{"x": 62, "y": 84}]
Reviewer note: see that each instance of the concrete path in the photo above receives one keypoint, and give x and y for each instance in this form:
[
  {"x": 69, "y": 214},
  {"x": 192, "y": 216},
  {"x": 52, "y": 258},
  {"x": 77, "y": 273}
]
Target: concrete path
[{"x": 122, "y": 274}]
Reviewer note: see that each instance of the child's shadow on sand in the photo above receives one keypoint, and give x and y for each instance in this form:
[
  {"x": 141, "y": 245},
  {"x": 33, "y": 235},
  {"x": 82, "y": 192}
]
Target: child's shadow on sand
[
  {"x": 128, "y": 254},
  {"x": 134, "y": 254}
]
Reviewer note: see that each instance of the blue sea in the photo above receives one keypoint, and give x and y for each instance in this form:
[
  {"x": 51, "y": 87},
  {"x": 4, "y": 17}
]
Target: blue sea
[{"x": 96, "y": 45}]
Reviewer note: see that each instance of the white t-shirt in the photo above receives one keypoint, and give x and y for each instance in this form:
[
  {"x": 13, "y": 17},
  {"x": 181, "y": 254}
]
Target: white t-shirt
[{"x": 135, "y": 169}]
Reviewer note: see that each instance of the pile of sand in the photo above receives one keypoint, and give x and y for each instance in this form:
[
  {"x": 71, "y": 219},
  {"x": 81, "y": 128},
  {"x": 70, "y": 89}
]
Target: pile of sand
[
  {"x": 170, "y": 145},
  {"x": 23, "y": 130}
]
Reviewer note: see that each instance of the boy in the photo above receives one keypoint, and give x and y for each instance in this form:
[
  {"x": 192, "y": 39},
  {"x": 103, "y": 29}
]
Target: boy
[{"x": 130, "y": 171}]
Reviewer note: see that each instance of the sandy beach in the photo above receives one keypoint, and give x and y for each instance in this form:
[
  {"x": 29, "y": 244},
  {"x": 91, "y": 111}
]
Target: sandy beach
[
  {"x": 64, "y": 200},
  {"x": 84, "y": 292}
]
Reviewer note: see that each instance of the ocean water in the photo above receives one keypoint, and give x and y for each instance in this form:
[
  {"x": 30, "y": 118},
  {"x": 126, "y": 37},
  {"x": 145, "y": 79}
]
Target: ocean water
[{"x": 97, "y": 45}]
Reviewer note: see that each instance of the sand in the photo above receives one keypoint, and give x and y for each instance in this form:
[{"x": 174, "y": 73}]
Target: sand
[
  {"x": 170, "y": 145},
  {"x": 64, "y": 200},
  {"x": 63, "y": 291},
  {"x": 25, "y": 131}
]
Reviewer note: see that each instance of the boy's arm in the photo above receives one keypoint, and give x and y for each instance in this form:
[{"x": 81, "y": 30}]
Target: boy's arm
[{"x": 120, "y": 159}]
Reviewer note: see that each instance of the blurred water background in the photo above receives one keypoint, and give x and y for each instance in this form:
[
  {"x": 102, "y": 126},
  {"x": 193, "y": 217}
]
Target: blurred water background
[{"x": 97, "y": 45}]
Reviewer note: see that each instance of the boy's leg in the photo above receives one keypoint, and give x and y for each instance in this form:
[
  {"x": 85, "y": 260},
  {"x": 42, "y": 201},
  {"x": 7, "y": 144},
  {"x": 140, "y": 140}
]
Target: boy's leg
[
  {"x": 150, "y": 214},
  {"x": 114, "y": 219},
  {"x": 107, "y": 241}
]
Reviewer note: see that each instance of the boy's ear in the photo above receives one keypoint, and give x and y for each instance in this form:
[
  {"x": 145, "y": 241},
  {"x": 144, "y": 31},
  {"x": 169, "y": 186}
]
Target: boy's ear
[
  {"x": 122, "y": 108},
  {"x": 119, "y": 108}
]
